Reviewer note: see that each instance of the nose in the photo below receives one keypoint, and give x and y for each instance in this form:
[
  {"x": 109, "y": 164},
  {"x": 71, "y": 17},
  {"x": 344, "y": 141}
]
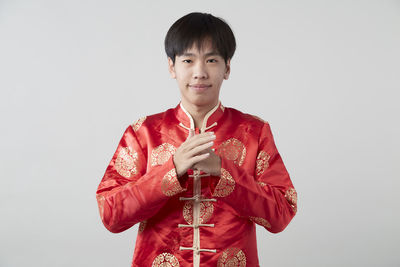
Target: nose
[{"x": 200, "y": 71}]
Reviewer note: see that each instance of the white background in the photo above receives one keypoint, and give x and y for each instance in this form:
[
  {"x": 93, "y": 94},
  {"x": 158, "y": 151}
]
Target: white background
[{"x": 325, "y": 74}]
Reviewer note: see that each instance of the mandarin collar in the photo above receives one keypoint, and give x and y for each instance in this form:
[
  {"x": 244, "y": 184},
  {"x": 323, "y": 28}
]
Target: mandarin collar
[{"x": 210, "y": 119}]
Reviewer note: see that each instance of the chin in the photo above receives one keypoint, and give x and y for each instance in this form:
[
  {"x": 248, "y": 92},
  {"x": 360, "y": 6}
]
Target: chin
[
  {"x": 204, "y": 102},
  {"x": 200, "y": 100}
]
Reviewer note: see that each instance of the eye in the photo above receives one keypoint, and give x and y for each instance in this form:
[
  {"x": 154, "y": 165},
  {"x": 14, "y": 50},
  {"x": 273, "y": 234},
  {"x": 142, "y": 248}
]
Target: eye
[
  {"x": 187, "y": 60},
  {"x": 212, "y": 60}
]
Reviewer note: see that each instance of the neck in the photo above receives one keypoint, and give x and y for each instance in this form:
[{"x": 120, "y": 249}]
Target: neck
[{"x": 198, "y": 112}]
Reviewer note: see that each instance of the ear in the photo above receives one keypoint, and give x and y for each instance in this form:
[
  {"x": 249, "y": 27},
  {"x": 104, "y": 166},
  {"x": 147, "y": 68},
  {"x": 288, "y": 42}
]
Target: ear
[
  {"x": 227, "y": 69},
  {"x": 171, "y": 68}
]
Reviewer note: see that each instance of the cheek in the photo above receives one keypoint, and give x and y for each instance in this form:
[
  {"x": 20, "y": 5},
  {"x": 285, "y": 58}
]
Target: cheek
[
  {"x": 182, "y": 81},
  {"x": 219, "y": 72},
  {"x": 182, "y": 75},
  {"x": 220, "y": 76}
]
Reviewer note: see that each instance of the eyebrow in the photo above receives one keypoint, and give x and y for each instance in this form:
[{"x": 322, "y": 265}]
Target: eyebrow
[{"x": 212, "y": 53}]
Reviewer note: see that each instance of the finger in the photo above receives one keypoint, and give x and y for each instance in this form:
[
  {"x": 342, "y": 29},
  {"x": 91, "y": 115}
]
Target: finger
[
  {"x": 195, "y": 140},
  {"x": 201, "y": 135},
  {"x": 199, "y": 158},
  {"x": 209, "y": 150},
  {"x": 202, "y": 148},
  {"x": 191, "y": 133},
  {"x": 198, "y": 140}
]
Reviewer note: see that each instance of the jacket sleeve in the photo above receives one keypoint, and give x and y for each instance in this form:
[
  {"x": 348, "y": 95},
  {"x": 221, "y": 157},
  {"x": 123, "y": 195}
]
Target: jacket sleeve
[
  {"x": 127, "y": 194},
  {"x": 266, "y": 197}
]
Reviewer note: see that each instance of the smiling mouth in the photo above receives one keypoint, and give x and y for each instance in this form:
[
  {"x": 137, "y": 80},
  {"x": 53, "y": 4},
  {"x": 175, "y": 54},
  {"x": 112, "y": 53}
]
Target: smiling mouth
[{"x": 199, "y": 87}]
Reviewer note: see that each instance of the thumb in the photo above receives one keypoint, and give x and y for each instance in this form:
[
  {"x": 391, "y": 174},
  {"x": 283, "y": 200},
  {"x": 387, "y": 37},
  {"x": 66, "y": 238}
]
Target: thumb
[{"x": 191, "y": 133}]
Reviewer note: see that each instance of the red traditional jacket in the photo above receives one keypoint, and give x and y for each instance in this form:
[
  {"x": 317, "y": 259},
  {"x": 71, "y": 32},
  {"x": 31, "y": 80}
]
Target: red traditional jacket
[{"x": 200, "y": 219}]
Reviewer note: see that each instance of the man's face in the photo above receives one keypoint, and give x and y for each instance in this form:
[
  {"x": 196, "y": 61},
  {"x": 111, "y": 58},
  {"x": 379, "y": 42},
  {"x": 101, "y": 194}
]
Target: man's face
[{"x": 199, "y": 75}]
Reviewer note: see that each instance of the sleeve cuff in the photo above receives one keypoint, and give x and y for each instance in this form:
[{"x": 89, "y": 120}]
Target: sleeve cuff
[
  {"x": 226, "y": 183},
  {"x": 170, "y": 185}
]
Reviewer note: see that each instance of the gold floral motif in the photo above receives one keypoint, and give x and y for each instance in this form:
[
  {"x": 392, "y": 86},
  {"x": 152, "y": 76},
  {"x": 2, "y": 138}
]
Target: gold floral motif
[
  {"x": 126, "y": 162},
  {"x": 165, "y": 260},
  {"x": 232, "y": 149},
  {"x": 142, "y": 226},
  {"x": 161, "y": 154},
  {"x": 170, "y": 185},
  {"x": 136, "y": 125},
  {"x": 262, "y": 162},
  {"x": 232, "y": 257},
  {"x": 260, "y": 221},
  {"x": 206, "y": 210},
  {"x": 261, "y": 183},
  {"x": 291, "y": 197},
  {"x": 226, "y": 184}
]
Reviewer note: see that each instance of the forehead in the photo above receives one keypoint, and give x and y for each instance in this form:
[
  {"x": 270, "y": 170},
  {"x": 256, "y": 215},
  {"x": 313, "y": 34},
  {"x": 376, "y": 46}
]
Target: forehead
[{"x": 205, "y": 48}]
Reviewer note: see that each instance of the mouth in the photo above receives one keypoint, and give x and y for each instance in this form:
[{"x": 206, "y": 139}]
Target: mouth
[{"x": 199, "y": 87}]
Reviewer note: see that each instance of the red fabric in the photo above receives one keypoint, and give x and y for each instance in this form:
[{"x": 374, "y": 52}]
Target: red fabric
[{"x": 140, "y": 185}]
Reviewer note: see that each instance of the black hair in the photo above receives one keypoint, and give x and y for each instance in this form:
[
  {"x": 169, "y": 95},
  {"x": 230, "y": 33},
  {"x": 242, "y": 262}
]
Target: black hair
[{"x": 196, "y": 27}]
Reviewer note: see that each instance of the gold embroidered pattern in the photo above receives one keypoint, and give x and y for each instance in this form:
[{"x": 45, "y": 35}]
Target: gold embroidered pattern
[
  {"x": 142, "y": 226},
  {"x": 165, "y": 260},
  {"x": 232, "y": 257},
  {"x": 262, "y": 162},
  {"x": 126, "y": 162},
  {"x": 260, "y": 221},
  {"x": 222, "y": 107},
  {"x": 261, "y": 183},
  {"x": 161, "y": 154},
  {"x": 232, "y": 149},
  {"x": 226, "y": 184},
  {"x": 170, "y": 185},
  {"x": 136, "y": 125},
  {"x": 291, "y": 197},
  {"x": 206, "y": 210}
]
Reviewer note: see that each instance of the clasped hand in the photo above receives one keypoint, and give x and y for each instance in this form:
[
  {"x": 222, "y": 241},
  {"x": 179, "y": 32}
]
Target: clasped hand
[{"x": 196, "y": 153}]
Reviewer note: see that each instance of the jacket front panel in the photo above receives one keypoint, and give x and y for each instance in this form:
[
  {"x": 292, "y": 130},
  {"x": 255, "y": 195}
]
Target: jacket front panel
[{"x": 197, "y": 219}]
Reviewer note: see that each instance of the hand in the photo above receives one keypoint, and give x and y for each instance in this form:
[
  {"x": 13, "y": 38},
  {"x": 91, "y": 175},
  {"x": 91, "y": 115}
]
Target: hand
[
  {"x": 192, "y": 151},
  {"x": 211, "y": 164}
]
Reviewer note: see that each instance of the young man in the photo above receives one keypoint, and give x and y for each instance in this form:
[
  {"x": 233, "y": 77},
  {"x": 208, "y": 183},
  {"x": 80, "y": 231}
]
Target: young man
[{"x": 199, "y": 176}]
